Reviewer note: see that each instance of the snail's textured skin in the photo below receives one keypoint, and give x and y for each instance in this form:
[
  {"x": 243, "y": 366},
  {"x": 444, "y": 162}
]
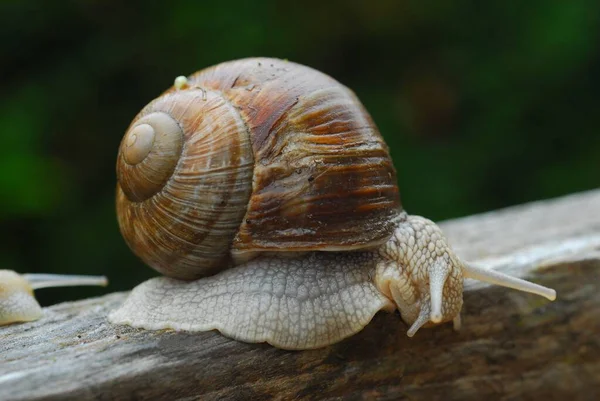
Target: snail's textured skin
[
  {"x": 290, "y": 303},
  {"x": 17, "y": 303},
  {"x": 306, "y": 302},
  {"x": 271, "y": 160},
  {"x": 270, "y": 156}
]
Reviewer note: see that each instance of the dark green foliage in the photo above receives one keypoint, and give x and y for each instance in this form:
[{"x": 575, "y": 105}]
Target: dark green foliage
[{"x": 483, "y": 104}]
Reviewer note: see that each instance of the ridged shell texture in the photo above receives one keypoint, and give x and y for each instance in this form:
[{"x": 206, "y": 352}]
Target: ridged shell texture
[{"x": 252, "y": 155}]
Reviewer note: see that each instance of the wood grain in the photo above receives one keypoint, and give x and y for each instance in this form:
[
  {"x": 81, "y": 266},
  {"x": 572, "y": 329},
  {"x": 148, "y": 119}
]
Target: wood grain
[{"x": 513, "y": 346}]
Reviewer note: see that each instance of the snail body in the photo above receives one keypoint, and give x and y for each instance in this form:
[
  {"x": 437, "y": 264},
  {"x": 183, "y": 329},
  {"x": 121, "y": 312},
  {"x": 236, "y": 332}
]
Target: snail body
[
  {"x": 268, "y": 184},
  {"x": 17, "y": 302}
]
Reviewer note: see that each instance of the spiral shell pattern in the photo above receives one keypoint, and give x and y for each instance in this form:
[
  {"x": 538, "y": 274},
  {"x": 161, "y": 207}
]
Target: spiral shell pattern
[
  {"x": 180, "y": 207},
  {"x": 249, "y": 156}
]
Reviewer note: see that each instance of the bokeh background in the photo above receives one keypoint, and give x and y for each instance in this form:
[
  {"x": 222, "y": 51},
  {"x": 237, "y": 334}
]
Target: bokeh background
[{"x": 484, "y": 104}]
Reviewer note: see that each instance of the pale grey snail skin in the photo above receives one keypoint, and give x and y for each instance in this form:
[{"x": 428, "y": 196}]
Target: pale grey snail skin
[
  {"x": 272, "y": 179},
  {"x": 319, "y": 298},
  {"x": 17, "y": 302}
]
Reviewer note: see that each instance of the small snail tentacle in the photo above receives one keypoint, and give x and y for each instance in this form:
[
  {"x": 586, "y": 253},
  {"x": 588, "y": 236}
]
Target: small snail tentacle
[
  {"x": 422, "y": 319},
  {"x": 37, "y": 281},
  {"x": 438, "y": 273},
  {"x": 17, "y": 302}
]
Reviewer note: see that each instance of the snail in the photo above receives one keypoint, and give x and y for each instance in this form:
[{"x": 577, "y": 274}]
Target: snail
[
  {"x": 17, "y": 302},
  {"x": 264, "y": 194}
]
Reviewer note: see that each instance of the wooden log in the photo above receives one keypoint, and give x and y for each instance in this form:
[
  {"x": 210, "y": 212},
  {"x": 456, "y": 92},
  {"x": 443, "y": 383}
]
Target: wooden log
[{"x": 513, "y": 346}]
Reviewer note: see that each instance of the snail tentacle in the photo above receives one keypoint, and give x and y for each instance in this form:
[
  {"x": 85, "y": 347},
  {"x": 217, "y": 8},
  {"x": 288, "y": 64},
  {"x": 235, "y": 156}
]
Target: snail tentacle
[
  {"x": 480, "y": 273},
  {"x": 37, "y": 281}
]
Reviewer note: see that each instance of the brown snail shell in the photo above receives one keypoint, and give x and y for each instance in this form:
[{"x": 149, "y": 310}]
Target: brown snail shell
[{"x": 249, "y": 156}]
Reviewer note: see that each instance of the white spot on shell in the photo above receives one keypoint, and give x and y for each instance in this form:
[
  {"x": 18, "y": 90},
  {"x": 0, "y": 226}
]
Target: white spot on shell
[{"x": 181, "y": 82}]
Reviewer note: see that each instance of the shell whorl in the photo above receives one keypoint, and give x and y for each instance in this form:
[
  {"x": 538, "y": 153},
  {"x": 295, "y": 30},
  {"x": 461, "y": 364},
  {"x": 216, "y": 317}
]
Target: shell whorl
[
  {"x": 274, "y": 156},
  {"x": 148, "y": 156},
  {"x": 185, "y": 176}
]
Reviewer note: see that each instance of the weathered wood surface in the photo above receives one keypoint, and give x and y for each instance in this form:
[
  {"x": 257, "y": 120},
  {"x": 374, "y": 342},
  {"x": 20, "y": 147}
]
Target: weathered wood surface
[{"x": 513, "y": 346}]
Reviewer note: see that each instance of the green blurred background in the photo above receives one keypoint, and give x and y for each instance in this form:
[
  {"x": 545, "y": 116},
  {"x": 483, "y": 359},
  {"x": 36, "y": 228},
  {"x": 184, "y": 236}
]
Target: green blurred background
[{"x": 484, "y": 104}]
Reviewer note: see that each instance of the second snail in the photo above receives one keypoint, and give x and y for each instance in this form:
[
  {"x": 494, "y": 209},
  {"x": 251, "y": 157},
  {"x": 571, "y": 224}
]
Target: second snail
[{"x": 263, "y": 192}]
